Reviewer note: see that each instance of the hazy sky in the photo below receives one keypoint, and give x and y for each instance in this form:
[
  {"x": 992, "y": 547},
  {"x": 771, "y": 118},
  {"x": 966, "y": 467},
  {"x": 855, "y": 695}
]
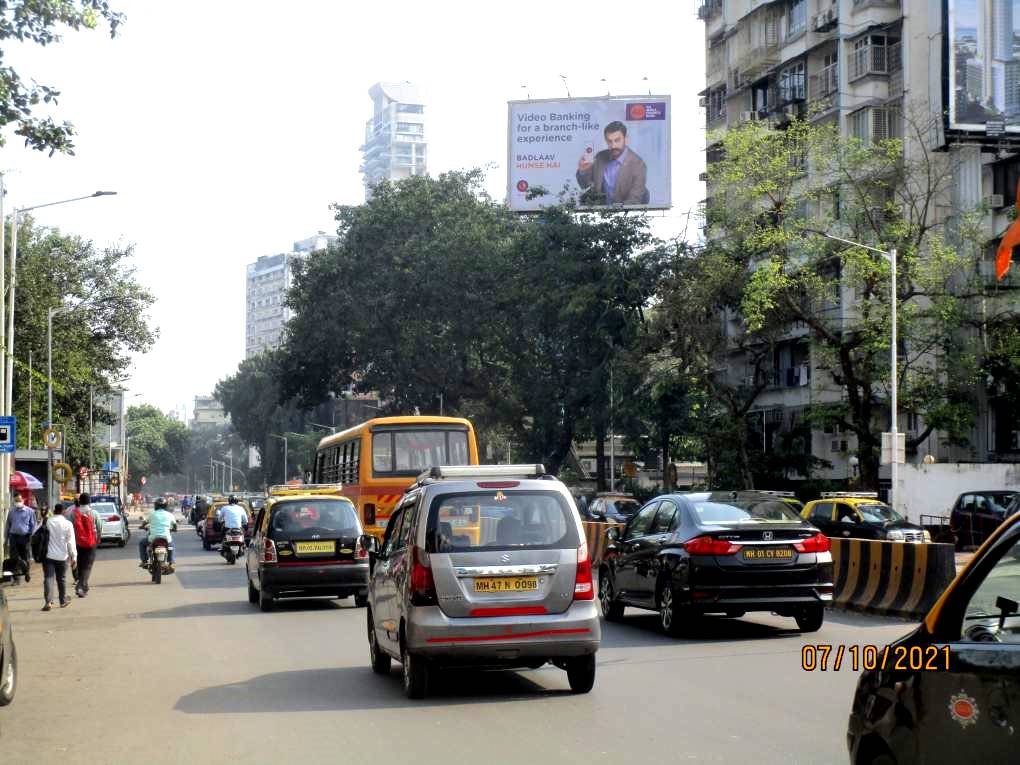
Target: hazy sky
[{"x": 228, "y": 128}]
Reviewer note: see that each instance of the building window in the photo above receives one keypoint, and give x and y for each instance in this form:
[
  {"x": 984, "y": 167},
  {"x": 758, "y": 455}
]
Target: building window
[
  {"x": 410, "y": 127},
  {"x": 791, "y": 83},
  {"x": 797, "y": 18},
  {"x": 876, "y": 123},
  {"x": 411, "y": 108},
  {"x": 717, "y": 104}
]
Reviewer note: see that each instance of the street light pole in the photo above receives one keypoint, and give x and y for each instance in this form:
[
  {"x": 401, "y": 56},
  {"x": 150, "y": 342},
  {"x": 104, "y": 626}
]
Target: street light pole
[
  {"x": 284, "y": 439},
  {"x": 889, "y": 255}
]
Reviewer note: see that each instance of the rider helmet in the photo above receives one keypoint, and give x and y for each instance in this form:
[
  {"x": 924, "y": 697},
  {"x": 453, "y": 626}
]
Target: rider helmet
[
  {"x": 160, "y": 504},
  {"x": 231, "y": 500}
]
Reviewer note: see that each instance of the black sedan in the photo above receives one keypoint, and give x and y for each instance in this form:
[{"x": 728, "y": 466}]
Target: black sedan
[
  {"x": 8, "y": 655},
  {"x": 949, "y": 691},
  {"x": 976, "y": 514},
  {"x": 684, "y": 555}
]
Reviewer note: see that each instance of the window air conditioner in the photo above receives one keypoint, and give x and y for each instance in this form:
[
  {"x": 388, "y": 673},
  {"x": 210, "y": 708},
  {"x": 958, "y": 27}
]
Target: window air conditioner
[
  {"x": 702, "y": 177},
  {"x": 703, "y": 102}
]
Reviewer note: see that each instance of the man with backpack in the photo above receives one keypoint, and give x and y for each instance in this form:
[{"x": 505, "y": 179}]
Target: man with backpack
[{"x": 88, "y": 530}]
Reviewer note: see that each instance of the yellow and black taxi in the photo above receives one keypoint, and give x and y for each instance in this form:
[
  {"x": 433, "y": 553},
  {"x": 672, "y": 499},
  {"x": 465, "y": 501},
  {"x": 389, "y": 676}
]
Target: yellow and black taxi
[
  {"x": 306, "y": 542},
  {"x": 212, "y": 529},
  {"x": 950, "y": 690},
  {"x": 860, "y": 515}
]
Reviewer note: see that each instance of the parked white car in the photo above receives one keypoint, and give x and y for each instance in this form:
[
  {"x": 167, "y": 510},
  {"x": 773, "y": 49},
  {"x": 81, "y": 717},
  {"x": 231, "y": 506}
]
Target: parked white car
[{"x": 115, "y": 528}]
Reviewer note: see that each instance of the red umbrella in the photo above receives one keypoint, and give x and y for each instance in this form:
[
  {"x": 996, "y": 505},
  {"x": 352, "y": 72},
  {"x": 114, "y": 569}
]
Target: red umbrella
[{"x": 21, "y": 481}]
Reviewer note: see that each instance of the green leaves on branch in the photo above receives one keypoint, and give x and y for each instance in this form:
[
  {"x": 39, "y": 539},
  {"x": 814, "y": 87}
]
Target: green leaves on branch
[{"x": 41, "y": 22}]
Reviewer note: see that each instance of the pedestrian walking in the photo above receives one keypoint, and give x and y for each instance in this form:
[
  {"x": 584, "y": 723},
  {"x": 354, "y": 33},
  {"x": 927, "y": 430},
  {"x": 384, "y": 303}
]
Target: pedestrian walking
[
  {"x": 88, "y": 530},
  {"x": 60, "y": 550},
  {"x": 21, "y": 525}
]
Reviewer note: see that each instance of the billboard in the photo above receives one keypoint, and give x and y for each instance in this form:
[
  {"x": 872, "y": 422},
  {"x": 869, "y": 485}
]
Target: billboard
[
  {"x": 605, "y": 152},
  {"x": 984, "y": 65}
]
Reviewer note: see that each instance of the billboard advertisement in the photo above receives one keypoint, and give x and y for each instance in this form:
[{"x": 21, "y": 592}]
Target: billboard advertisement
[
  {"x": 604, "y": 152},
  {"x": 984, "y": 65}
]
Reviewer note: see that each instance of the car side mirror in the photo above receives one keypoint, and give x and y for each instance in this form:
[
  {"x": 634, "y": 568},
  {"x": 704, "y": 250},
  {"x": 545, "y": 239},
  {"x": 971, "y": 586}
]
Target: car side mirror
[
  {"x": 370, "y": 543},
  {"x": 613, "y": 534}
]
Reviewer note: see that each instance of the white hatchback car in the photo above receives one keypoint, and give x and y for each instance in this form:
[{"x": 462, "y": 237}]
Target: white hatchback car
[{"x": 115, "y": 528}]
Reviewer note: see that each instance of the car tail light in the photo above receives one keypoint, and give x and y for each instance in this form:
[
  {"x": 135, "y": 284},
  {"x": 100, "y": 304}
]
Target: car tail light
[
  {"x": 423, "y": 586},
  {"x": 583, "y": 588},
  {"x": 112, "y": 518},
  {"x": 819, "y": 543},
  {"x": 711, "y": 546},
  {"x": 268, "y": 551},
  {"x": 498, "y": 484}
]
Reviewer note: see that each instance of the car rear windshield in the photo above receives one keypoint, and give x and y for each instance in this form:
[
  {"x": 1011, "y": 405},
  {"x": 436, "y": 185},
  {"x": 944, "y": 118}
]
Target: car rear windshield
[
  {"x": 625, "y": 506},
  {"x": 105, "y": 509},
  {"x": 299, "y": 518},
  {"x": 498, "y": 520},
  {"x": 767, "y": 511}
]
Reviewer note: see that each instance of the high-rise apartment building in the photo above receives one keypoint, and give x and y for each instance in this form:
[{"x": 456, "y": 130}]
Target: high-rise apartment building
[
  {"x": 395, "y": 145},
  {"x": 866, "y": 66},
  {"x": 267, "y": 281},
  {"x": 208, "y": 413}
]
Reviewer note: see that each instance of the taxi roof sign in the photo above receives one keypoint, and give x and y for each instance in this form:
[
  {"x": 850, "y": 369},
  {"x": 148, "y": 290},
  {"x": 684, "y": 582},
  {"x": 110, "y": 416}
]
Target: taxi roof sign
[
  {"x": 850, "y": 494},
  {"x": 287, "y": 489}
]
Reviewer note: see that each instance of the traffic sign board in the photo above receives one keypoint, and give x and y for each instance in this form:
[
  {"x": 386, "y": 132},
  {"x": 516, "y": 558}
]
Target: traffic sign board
[
  {"x": 8, "y": 431},
  {"x": 51, "y": 438}
]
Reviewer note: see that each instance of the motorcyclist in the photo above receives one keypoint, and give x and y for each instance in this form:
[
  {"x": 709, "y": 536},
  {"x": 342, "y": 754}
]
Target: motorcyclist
[
  {"x": 160, "y": 522},
  {"x": 232, "y": 515}
]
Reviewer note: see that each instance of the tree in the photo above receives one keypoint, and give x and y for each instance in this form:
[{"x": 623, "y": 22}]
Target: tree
[
  {"x": 41, "y": 22},
  {"x": 93, "y": 340},
  {"x": 158, "y": 447},
  {"x": 772, "y": 195}
]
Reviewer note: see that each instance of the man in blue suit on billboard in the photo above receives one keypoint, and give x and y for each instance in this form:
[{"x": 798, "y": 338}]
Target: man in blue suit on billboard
[{"x": 617, "y": 176}]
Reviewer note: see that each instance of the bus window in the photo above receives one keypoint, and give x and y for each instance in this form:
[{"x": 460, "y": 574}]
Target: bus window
[
  {"x": 420, "y": 450},
  {"x": 458, "y": 449},
  {"x": 382, "y": 453}
]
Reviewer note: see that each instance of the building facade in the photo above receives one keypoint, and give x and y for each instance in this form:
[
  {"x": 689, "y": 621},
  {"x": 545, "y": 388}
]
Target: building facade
[
  {"x": 208, "y": 413},
  {"x": 395, "y": 145},
  {"x": 863, "y": 65},
  {"x": 266, "y": 283}
]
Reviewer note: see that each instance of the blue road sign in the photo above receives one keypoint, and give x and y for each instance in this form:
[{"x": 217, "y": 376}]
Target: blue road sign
[{"x": 8, "y": 431}]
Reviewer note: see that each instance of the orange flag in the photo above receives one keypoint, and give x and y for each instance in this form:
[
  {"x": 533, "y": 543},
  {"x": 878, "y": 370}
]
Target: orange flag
[{"x": 1010, "y": 239}]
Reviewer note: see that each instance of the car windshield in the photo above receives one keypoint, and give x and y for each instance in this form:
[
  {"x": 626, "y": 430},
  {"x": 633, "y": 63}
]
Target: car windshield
[
  {"x": 987, "y": 501},
  {"x": 1003, "y": 581},
  {"x": 751, "y": 511},
  {"x": 624, "y": 506},
  {"x": 105, "y": 508},
  {"x": 324, "y": 516},
  {"x": 877, "y": 512},
  {"x": 528, "y": 520}
]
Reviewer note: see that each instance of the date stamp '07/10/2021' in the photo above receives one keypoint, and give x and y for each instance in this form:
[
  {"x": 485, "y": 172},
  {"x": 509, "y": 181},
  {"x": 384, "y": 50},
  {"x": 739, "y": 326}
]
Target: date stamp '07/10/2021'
[{"x": 826, "y": 657}]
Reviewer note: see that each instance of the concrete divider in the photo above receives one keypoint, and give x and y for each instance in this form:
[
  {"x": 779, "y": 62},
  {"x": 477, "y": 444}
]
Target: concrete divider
[
  {"x": 595, "y": 535},
  {"x": 890, "y": 578}
]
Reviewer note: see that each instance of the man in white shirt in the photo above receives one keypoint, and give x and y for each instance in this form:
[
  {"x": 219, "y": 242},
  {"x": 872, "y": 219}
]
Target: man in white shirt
[
  {"x": 61, "y": 549},
  {"x": 232, "y": 515}
]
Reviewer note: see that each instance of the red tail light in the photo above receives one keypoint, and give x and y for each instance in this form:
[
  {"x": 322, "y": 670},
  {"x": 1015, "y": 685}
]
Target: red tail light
[
  {"x": 112, "y": 518},
  {"x": 711, "y": 546},
  {"x": 583, "y": 587},
  {"x": 819, "y": 543},
  {"x": 423, "y": 586},
  {"x": 268, "y": 551}
]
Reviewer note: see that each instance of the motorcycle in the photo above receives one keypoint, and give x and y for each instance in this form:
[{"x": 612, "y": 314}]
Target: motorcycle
[
  {"x": 232, "y": 545},
  {"x": 159, "y": 560}
]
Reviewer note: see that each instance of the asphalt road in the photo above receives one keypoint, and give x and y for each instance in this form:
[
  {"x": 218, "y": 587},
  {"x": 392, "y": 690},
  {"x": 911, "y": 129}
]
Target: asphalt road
[{"x": 188, "y": 671}]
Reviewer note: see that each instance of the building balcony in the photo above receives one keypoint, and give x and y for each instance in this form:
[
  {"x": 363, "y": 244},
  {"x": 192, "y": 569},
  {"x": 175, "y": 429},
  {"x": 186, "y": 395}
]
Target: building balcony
[
  {"x": 875, "y": 60},
  {"x": 709, "y": 9},
  {"x": 757, "y": 60}
]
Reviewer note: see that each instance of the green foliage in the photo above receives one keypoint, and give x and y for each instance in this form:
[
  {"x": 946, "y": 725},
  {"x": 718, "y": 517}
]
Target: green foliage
[
  {"x": 41, "y": 22},
  {"x": 159, "y": 445},
  {"x": 92, "y": 342},
  {"x": 774, "y": 197}
]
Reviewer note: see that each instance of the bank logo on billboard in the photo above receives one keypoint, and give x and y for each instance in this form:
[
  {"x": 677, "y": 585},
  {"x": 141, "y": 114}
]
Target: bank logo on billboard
[
  {"x": 984, "y": 65},
  {"x": 597, "y": 152}
]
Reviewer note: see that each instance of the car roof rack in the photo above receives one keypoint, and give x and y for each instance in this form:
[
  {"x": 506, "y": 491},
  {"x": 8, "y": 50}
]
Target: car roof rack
[
  {"x": 443, "y": 472},
  {"x": 289, "y": 489},
  {"x": 775, "y": 493},
  {"x": 850, "y": 494}
]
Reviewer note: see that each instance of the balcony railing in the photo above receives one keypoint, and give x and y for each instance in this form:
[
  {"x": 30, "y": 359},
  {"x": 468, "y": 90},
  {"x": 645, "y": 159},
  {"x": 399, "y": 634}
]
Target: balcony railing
[
  {"x": 825, "y": 83},
  {"x": 875, "y": 59}
]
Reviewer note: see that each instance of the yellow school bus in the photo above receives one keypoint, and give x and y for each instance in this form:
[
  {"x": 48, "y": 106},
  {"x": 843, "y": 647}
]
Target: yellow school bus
[{"x": 378, "y": 459}]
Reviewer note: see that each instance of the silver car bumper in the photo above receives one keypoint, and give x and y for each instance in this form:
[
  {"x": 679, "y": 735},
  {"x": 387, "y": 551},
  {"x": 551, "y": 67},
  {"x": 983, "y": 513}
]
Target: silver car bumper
[{"x": 575, "y": 632}]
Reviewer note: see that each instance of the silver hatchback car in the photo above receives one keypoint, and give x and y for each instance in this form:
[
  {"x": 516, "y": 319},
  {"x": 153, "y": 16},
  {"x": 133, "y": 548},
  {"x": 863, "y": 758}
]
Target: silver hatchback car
[{"x": 483, "y": 566}]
